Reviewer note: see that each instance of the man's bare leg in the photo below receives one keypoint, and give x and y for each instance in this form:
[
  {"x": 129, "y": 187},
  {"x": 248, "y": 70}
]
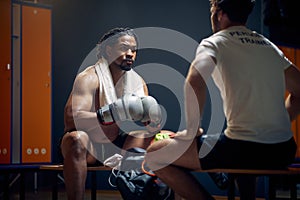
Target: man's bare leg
[
  {"x": 191, "y": 189},
  {"x": 179, "y": 169},
  {"x": 75, "y": 164}
]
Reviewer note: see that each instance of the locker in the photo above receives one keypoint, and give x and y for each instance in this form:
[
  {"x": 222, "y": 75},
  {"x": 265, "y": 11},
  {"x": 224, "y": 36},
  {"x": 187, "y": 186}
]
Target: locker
[
  {"x": 297, "y": 122},
  {"x": 36, "y": 85},
  {"x": 294, "y": 55},
  {"x": 5, "y": 81},
  {"x": 25, "y": 83}
]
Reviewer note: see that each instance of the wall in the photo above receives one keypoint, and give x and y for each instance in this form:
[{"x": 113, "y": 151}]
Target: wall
[{"x": 282, "y": 19}]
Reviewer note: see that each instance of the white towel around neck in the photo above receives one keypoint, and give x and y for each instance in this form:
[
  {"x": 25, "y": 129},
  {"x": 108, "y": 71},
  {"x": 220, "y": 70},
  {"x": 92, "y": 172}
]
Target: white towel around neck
[{"x": 130, "y": 83}]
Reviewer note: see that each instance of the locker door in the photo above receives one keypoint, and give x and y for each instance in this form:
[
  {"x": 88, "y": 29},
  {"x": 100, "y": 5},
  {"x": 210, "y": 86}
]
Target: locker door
[
  {"x": 290, "y": 53},
  {"x": 36, "y": 85},
  {"x": 5, "y": 81},
  {"x": 297, "y": 122}
]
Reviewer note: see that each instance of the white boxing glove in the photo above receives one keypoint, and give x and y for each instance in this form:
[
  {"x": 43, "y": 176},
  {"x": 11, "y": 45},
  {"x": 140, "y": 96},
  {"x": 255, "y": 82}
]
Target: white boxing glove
[
  {"x": 129, "y": 107},
  {"x": 152, "y": 111}
]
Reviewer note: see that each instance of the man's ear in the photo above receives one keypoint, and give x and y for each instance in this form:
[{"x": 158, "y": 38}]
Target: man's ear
[{"x": 220, "y": 15}]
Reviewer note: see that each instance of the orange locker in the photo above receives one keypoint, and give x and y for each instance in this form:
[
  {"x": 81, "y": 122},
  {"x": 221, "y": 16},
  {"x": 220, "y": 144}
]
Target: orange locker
[
  {"x": 294, "y": 56},
  {"x": 25, "y": 83},
  {"x": 5, "y": 81},
  {"x": 290, "y": 54},
  {"x": 297, "y": 122},
  {"x": 36, "y": 85}
]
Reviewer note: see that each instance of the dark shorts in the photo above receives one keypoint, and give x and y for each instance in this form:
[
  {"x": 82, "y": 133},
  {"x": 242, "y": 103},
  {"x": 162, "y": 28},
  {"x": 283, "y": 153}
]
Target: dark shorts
[
  {"x": 238, "y": 154},
  {"x": 115, "y": 147}
]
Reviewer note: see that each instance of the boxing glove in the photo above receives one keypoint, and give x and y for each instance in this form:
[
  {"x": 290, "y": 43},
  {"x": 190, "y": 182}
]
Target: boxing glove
[
  {"x": 129, "y": 107},
  {"x": 152, "y": 111}
]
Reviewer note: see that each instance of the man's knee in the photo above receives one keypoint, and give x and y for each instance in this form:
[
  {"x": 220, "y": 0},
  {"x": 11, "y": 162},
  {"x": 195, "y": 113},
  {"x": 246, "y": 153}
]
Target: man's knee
[
  {"x": 74, "y": 142},
  {"x": 153, "y": 154}
]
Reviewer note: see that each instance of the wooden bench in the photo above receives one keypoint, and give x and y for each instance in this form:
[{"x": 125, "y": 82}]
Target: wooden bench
[{"x": 293, "y": 173}]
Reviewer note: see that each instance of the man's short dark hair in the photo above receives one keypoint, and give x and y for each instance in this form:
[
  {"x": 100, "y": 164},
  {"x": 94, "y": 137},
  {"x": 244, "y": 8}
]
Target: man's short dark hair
[
  {"x": 237, "y": 10},
  {"x": 111, "y": 37}
]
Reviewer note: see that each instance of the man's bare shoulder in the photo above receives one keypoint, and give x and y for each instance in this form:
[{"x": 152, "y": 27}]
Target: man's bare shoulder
[{"x": 87, "y": 78}]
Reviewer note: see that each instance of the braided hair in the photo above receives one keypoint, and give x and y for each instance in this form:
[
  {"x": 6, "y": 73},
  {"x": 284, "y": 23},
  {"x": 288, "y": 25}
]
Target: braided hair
[{"x": 111, "y": 37}]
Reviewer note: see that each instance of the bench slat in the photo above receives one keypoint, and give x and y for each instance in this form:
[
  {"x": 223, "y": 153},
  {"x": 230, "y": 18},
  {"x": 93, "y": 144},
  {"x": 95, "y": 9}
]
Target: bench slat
[
  {"x": 292, "y": 170},
  {"x": 60, "y": 168},
  {"x": 255, "y": 171}
]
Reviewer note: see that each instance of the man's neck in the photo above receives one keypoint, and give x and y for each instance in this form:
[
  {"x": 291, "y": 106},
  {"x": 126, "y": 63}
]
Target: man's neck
[
  {"x": 116, "y": 72},
  {"x": 230, "y": 24}
]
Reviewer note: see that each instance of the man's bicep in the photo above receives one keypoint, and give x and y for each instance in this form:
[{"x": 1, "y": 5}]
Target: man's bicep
[
  {"x": 82, "y": 102},
  {"x": 204, "y": 65},
  {"x": 145, "y": 88},
  {"x": 83, "y": 95},
  {"x": 195, "y": 84}
]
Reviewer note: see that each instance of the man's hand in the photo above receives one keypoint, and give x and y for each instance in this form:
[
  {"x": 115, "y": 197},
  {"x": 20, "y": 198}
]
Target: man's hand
[
  {"x": 185, "y": 135},
  {"x": 152, "y": 111},
  {"x": 129, "y": 107},
  {"x": 152, "y": 114}
]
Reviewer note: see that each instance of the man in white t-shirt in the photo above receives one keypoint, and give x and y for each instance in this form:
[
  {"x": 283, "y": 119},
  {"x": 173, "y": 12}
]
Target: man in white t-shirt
[{"x": 252, "y": 75}]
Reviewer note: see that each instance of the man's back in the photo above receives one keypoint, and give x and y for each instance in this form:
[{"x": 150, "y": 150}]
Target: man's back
[{"x": 251, "y": 81}]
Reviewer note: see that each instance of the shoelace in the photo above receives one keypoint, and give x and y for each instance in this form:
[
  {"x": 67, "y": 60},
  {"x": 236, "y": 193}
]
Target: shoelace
[{"x": 114, "y": 161}]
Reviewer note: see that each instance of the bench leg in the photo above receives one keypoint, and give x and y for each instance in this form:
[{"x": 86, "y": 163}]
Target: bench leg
[
  {"x": 22, "y": 185},
  {"x": 94, "y": 185},
  {"x": 293, "y": 188},
  {"x": 247, "y": 186},
  {"x": 231, "y": 187},
  {"x": 6, "y": 187},
  {"x": 272, "y": 188},
  {"x": 294, "y": 192},
  {"x": 54, "y": 181}
]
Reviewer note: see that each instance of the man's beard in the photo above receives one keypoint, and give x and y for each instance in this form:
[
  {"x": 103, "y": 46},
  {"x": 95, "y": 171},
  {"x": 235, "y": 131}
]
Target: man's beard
[{"x": 125, "y": 66}]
